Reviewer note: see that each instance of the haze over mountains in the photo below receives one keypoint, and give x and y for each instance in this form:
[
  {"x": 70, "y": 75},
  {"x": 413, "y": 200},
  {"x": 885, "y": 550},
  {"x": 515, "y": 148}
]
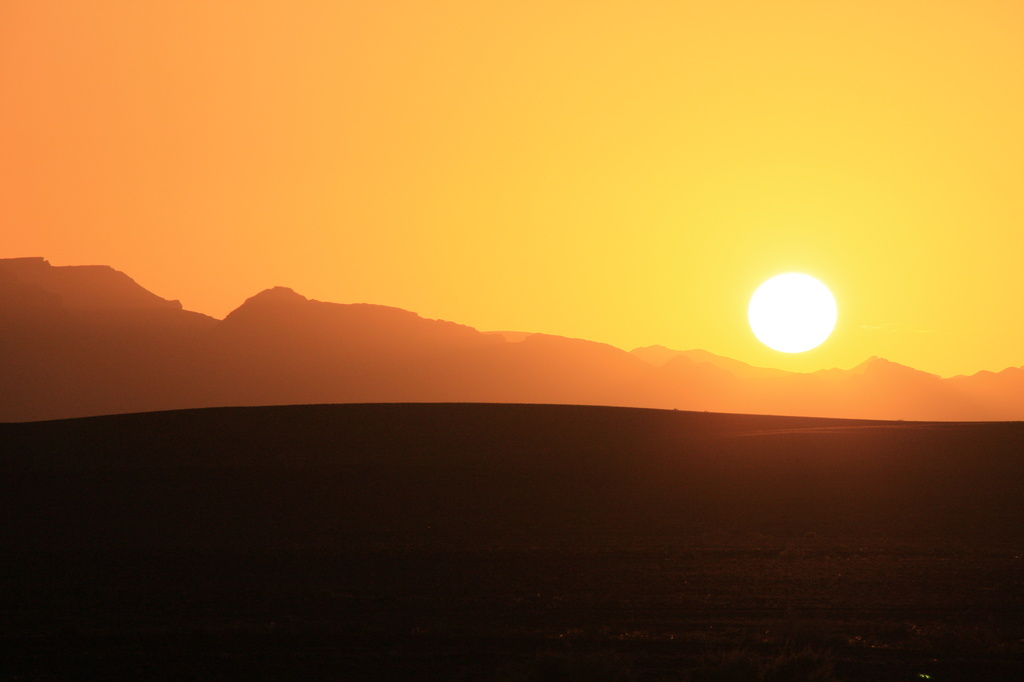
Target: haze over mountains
[{"x": 87, "y": 340}]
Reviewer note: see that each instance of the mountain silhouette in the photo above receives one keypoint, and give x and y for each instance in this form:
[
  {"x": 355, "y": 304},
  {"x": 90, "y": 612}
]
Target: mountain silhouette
[
  {"x": 661, "y": 356},
  {"x": 81, "y": 287},
  {"x": 88, "y": 340}
]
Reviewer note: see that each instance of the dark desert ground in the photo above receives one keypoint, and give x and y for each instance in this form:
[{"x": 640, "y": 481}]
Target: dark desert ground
[{"x": 510, "y": 542}]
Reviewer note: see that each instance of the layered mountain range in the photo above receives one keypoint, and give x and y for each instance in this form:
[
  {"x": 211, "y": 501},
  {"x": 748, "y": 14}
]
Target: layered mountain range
[{"x": 88, "y": 340}]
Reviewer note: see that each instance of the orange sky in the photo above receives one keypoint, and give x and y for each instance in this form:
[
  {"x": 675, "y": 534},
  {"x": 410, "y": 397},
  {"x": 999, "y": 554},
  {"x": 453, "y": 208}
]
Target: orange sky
[{"x": 622, "y": 172}]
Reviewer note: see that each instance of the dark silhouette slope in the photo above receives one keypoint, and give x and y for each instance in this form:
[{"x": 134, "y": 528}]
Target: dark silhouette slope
[
  {"x": 329, "y": 476},
  {"x": 496, "y": 542},
  {"x": 79, "y": 341}
]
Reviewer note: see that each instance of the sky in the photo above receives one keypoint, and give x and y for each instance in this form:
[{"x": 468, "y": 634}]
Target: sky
[{"x": 622, "y": 172}]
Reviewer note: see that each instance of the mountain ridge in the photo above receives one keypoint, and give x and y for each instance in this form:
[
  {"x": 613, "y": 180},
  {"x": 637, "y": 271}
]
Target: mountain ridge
[{"x": 86, "y": 340}]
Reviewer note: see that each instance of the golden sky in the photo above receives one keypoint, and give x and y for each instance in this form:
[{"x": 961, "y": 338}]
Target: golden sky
[{"x": 622, "y": 172}]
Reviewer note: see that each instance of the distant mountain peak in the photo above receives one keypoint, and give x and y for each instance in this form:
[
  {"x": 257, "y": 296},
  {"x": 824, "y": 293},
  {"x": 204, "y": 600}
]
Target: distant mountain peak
[
  {"x": 879, "y": 366},
  {"x": 660, "y": 356},
  {"x": 276, "y": 295},
  {"x": 85, "y": 287},
  {"x": 874, "y": 362},
  {"x": 268, "y": 304}
]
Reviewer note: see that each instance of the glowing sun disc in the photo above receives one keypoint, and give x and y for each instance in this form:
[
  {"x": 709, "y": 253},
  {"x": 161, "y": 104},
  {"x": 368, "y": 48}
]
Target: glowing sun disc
[{"x": 792, "y": 313}]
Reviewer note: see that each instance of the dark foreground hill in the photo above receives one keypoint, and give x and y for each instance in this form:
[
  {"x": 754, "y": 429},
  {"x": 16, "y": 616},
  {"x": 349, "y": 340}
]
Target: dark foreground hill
[
  {"x": 510, "y": 542},
  {"x": 299, "y": 476}
]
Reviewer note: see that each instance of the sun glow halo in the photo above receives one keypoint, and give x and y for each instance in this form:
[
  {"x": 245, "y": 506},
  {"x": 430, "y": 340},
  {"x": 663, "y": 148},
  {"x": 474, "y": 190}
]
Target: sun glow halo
[{"x": 792, "y": 313}]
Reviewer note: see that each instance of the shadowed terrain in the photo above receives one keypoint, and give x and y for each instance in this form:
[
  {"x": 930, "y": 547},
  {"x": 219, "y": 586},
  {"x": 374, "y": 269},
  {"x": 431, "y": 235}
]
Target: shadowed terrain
[{"x": 471, "y": 541}]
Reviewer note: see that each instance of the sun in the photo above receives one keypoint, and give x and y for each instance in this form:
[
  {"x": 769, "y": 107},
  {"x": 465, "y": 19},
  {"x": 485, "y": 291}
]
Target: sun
[{"x": 792, "y": 313}]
